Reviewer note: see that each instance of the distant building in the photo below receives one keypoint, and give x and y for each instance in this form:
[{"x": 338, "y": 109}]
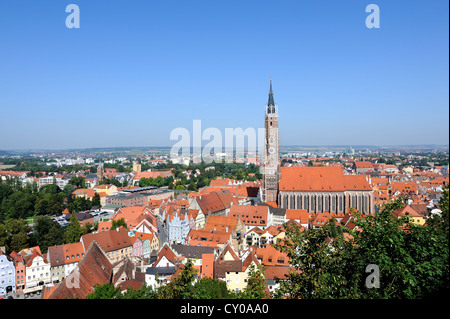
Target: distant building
[
  {"x": 58, "y": 181},
  {"x": 100, "y": 172},
  {"x": 137, "y": 167}
]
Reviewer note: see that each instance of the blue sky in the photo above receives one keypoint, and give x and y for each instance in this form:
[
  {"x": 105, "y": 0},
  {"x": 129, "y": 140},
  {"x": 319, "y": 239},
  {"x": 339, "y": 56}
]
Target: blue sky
[{"x": 135, "y": 70}]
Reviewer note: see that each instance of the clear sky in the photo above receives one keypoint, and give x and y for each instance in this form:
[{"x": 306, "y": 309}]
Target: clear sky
[{"x": 135, "y": 70}]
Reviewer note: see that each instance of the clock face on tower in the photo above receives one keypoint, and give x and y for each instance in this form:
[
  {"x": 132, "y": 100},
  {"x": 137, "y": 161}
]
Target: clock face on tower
[{"x": 272, "y": 150}]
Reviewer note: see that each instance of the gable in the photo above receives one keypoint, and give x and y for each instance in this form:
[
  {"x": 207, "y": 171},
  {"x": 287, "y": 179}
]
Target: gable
[{"x": 164, "y": 262}]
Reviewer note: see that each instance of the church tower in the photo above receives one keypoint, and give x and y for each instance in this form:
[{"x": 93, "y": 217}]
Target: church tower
[
  {"x": 271, "y": 169},
  {"x": 100, "y": 172}
]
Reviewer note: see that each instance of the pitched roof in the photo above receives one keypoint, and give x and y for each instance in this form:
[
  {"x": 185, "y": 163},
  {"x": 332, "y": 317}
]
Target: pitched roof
[
  {"x": 202, "y": 237},
  {"x": 272, "y": 272},
  {"x": 89, "y": 192},
  {"x": 270, "y": 256},
  {"x": 153, "y": 174},
  {"x": 215, "y": 202},
  {"x": 250, "y": 215},
  {"x": 221, "y": 223},
  {"x": 207, "y": 269},
  {"x": 144, "y": 236},
  {"x": 321, "y": 219},
  {"x": 133, "y": 215},
  {"x": 406, "y": 211},
  {"x": 227, "y": 261},
  {"x": 94, "y": 269},
  {"x": 298, "y": 214},
  {"x": 193, "y": 251},
  {"x": 171, "y": 255},
  {"x": 320, "y": 179},
  {"x": 364, "y": 165},
  {"x": 109, "y": 240}
]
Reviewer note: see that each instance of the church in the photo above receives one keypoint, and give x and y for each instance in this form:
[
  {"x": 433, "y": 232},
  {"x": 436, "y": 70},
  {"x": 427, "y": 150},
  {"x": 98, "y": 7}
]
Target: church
[{"x": 315, "y": 189}]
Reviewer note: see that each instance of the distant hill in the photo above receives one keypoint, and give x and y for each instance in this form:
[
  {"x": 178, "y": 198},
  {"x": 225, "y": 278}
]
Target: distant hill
[{"x": 3, "y": 152}]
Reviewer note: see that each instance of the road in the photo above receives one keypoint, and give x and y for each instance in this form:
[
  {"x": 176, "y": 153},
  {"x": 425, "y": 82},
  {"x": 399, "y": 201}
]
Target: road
[{"x": 162, "y": 232}]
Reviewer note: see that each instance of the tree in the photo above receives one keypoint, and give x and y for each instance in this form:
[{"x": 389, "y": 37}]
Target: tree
[
  {"x": 105, "y": 291},
  {"x": 74, "y": 231},
  {"x": 145, "y": 292},
  {"x": 256, "y": 284},
  {"x": 80, "y": 204},
  {"x": 210, "y": 288},
  {"x": 96, "y": 200},
  {"x": 19, "y": 241},
  {"x": 331, "y": 262},
  {"x": 118, "y": 223},
  {"x": 46, "y": 233},
  {"x": 180, "y": 287},
  {"x": 180, "y": 187},
  {"x": 192, "y": 186}
]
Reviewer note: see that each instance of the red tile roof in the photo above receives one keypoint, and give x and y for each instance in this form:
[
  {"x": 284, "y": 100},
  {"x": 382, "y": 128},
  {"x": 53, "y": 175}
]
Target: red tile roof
[
  {"x": 298, "y": 214},
  {"x": 250, "y": 215},
  {"x": 153, "y": 174},
  {"x": 320, "y": 179},
  {"x": 94, "y": 269},
  {"x": 406, "y": 211},
  {"x": 109, "y": 240}
]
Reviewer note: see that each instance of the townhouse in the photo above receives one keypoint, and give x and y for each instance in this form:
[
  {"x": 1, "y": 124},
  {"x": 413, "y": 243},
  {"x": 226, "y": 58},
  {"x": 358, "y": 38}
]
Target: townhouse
[
  {"x": 19, "y": 265},
  {"x": 63, "y": 259},
  {"x": 145, "y": 244},
  {"x": 37, "y": 269},
  {"x": 234, "y": 271},
  {"x": 178, "y": 225},
  {"x": 7, "y": 274}
]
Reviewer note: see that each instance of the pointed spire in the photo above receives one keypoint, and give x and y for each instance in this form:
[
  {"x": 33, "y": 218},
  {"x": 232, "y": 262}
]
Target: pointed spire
[{"x": 271, "y": 101}]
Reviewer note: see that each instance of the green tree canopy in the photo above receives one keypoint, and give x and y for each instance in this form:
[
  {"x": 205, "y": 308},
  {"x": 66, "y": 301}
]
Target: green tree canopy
[
  {"x": 333, "y": 262},
  {"x": 74, "y": 231}
]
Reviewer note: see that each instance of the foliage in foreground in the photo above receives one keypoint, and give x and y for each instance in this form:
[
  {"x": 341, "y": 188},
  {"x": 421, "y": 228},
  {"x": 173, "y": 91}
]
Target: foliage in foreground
[
  {"x": 332, "y": 262},
  {"x": 185, "y": 286}
]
